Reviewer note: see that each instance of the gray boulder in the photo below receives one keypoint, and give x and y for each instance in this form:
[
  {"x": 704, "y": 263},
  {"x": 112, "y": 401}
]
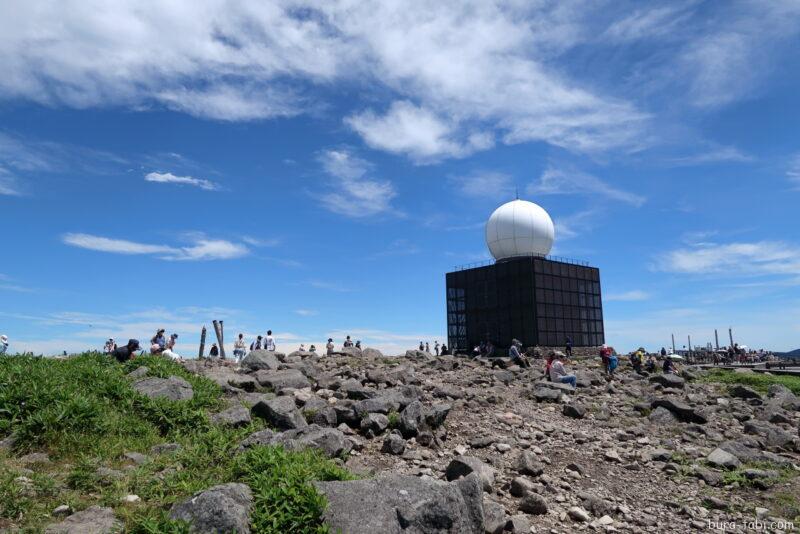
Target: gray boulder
[
  {"x": 260, "y": 359},
  {"x": 544, "y": 394},
  {"x": 528, "y": 464},
  {"x": 223, "y": 508},
  {"x": 681, "y": 410},
  {"x": 662, "y": 416},
  {"x": 574, "y": 410},
  {"x": 371, "y": 353},
  {"x": 382, "y": 405},
  {"x": 374, "y": 423},
  {"x": 281, "y": 413},
  {"x": 139, "y": 372},
  {"x": 330, "y": 441},
  {"x": 93, "y": 520},
  {"x": 402, "y": 505},
  {"x": 533, "y": 504},
  {"x": 278, "y": 380},
  {"x": 393, "y": 444},
  {"x": 355, "y": 390},
  {"x": 461, "y": 466},
  {"x": 411, "y": 419},
  {"x": 172, "y": 388},
  {"x": 494, "y": 516},
  {"x": 722, "y": 458},
  {"x": 237, "y": 416},
  {"x": 772, "y": 436},
  {"x": 741, "y": 392},
  {"x": 668, "y": 381},
  {"x": 436, "y": 415},
  {"x": 781, "y": 396},
  {"x": 419, "y": 355}
]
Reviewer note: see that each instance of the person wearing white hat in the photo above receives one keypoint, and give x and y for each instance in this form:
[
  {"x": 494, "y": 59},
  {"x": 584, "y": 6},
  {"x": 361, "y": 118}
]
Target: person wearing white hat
[
  {"x": 3, "y": 344},
  {"x": 110, "y": 346}
]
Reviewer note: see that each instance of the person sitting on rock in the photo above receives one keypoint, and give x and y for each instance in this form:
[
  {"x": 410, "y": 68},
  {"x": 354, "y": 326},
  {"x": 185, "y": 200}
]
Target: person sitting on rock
[
  {"x": 329, "y": 347},
  {"x": 558, "y": 373},
  {"x": 650, "y": 366},
  {"x": 123, "y": 354},
  {"x": 256, "y": 345},
  {"x": 168, "y": 351},
  {"x": 239, "y": 347},
  {"x": 214, "y": 352},
  {"x": 158, "y": 342},
  {"x": 312, "y": 348},
  {"x": 669, "y": 366},
  {"x": 348, "y": 342},
  {"x": 269, "y": 341},
  {"x": 358, "y": 344},
  {"x": 515, "y": 354},
  {"x": 445, "y": 351}
]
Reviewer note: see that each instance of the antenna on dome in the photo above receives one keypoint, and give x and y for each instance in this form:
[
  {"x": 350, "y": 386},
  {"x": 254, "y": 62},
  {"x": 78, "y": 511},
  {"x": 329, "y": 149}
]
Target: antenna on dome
[{"x": 516, "y": 190}]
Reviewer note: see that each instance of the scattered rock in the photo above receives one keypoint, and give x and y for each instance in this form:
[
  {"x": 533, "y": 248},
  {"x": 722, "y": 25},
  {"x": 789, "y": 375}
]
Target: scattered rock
[
  {"x": 721, "y": 458},
  {"x": 461, "y": 466},
  {"x": 93, "y": 520},
  {"x": 533, "y": 504},
  {"x": 260, "y": 359},
  {"x": 237, "y": 416},
  {"x": 668, "y": 381},
  {"x": 576, "y": 513},
  {"x": 574, "y": 410},
  {"x": 172, "y": 388},
  {"x": 281, "y": 413},
  {"x": 394, "y": 444},
  {"x": 223, "y": 508}
]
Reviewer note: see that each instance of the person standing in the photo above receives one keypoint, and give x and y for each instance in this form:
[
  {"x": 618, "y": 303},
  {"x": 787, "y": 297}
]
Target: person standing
[
  {"x": 329, "y": 347},
  {"x": 239, "y": 347},
  {"x": 436, "y": 348},
  {"x": 427, "y": 348},
  {"x": 421, "y": 346},
  {"x": 168, "y": 351},
  {"x": 128, "y": 352},
  {"x": 568, "y": 347}
]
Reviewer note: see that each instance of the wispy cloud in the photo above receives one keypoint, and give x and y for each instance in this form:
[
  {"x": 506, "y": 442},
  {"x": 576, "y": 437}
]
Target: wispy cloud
[
  {"x": 415, "y": 131},
  {"x": 306, "y": 313},
  {"x": 9, "y": 184},
  {"x": 793, "y": 172},
  {"x": 352, "y": 193},
  {"x": 201, "y": 247},
  {"x": 556, "y": 181},
  {"x": 9, "y": 284},
  {"x": 169, "y": 178},
  {"x": 713, "y": 155},
  {"x": 758, "y": 258},
  {"x": 329, "y": 286},
  {"x": 398, "y": 247},
  {"x": 488, "y": 185},
  {"x": 573, "y": 225},
  {"x": 627, "y": 296}
]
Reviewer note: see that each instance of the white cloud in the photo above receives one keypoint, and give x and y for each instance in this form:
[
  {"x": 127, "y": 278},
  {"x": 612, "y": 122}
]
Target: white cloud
[
  {"x": 351, "y": 192},
  {"x": 714, "y": 155},
  {"x": 575, "y": 224},
  {"x": 793, "y": 172},
  {"x": 573, "y": 182},
  {"x": 647, "y": 23},
  {"x": 169, "y": 178},
  {"x": 306, "y": 313},
  {"x": 201, "y": 247},
  {"x": 759, "y": 258},
  {"x": 9, "y": 185},
  {"x": 416, "y": 132},
  {"x": 484, "y": 185},
  {"x": 627, "y": 296},
  {"x": 330, "y": 286}
]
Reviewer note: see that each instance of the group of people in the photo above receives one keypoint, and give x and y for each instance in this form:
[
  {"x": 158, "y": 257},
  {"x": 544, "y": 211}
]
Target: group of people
[{"x": 438, "y": 350}]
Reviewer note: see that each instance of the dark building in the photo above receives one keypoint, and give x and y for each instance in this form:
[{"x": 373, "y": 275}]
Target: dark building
[{"x": 537, "y": 300}]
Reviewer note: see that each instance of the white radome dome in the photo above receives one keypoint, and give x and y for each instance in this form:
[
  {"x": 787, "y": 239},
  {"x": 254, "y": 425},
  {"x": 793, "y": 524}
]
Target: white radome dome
[{"x": 519, "y": 228}]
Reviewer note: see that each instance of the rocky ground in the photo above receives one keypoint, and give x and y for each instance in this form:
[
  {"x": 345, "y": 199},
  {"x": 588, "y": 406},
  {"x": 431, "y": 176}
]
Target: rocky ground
[
  {"x": 453, "y": 445},
  {"x": 636, "y": 453}
]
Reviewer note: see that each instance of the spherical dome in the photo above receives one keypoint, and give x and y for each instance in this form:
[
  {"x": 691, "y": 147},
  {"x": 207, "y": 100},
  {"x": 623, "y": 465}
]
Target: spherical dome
[{"x": 519, "y": 228}]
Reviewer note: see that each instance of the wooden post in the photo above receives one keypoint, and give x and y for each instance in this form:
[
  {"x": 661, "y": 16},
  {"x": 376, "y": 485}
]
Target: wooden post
[
  {"x": 218, "y": 331},
  {"x": 716, "y": 339},
  {"x": 221, "y": 340},
  {"x": 673, "y": 343},
  {"x": 201, "y": 354},
  {"x": 730, "y": 335}
]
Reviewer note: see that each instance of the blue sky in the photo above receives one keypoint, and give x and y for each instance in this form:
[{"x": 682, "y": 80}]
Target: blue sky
[{"x": 317, "y": 170}]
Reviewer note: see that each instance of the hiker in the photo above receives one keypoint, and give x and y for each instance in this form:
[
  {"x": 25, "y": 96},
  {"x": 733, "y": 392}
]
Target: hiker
[
  {"x": 123, "y": 354},
  {"x": 173, "y": 338},
  {"x": 489, "y": 349},
  {"x": 214, "y": 352},
  {"x": 239, "y": 348},
  {"x": 427, "y": 348},
  {"x": 329, "y": 347},
  {"x": 436, "y": 348},
  {"x": 669, "y": 366},
  {"x": 3, "y": 344},
  {"x": 637, "y": 359},
  {"x": 421, "y": 346},
  {"x": 650, "y": 366},
  {"x": 110, "y": 346},
  {"x": 605, "y": 356},
  {"x": 558, "y": 373},
  {"x": 158, "y": 342},
  {"x": 358, "y": 344},
  {"x": 256, "y": 345},
  {"x": 348, "y": 342},
  {"x": 568, "y": 347},
  {"x": 302, "y": 347},
  {"x": 269, "y": 341},
  {"x": 515, "y": 355},
  {"x": 445, "y": 352},
  {"x": 313, "y": 349},
  {"x": 663, "y": 352}
]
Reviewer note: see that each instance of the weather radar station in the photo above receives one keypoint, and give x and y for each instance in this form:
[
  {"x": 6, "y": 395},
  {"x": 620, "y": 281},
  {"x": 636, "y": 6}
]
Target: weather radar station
[{"x": 524, "y": 293}]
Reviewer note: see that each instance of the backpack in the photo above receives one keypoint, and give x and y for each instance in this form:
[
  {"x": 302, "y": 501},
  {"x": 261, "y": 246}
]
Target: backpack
[{"x": 612, "y": 362}]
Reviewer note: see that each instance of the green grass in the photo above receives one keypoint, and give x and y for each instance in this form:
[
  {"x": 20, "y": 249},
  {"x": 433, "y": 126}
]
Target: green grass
[
  {"x": 83, "y": 412},
  {"x": 736, "y": 476},
  {"x": 757, "y": 381}
]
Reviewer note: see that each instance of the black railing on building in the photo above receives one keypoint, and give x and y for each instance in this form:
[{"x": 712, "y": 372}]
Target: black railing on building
[{"x": 484, "y": 263}]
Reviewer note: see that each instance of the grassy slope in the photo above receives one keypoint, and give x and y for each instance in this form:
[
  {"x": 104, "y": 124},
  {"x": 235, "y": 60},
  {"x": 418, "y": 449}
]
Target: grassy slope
[
  {"x": 83, "y": 412},
  {"x": 757, "y": 381}
]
